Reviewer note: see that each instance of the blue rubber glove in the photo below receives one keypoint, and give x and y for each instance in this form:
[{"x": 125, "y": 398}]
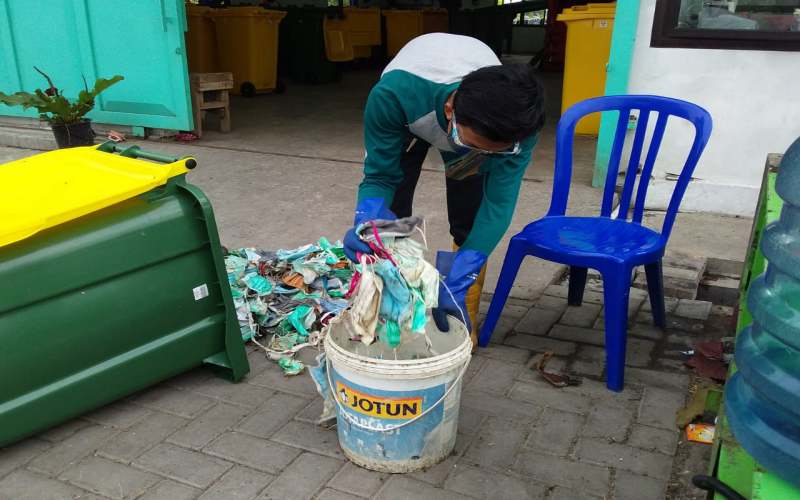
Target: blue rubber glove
[
  {"x": 366, "y": 210},
  {"x": 353, "y": 245},
  {"x": 459, "y": 271}
]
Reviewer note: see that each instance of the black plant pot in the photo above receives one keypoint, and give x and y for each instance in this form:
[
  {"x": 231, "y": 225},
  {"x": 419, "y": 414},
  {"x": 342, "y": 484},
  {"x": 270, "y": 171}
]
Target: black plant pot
[{"x": 74, "y": 134}]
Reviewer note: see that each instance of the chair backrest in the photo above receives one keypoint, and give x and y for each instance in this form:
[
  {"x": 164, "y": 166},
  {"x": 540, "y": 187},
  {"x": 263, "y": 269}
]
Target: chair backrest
[{"x": 646, "y": 105}]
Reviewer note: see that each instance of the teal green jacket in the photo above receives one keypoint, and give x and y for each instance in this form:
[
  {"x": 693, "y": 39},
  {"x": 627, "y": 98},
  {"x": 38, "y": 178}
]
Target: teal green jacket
[{"x": 409, "y": 99}]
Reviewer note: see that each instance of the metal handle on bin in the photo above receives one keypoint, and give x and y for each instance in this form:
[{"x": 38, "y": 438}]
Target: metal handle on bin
[{"x": 137, "y": 152}]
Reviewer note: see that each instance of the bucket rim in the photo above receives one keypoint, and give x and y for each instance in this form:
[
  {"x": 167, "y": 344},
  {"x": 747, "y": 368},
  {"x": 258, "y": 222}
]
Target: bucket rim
[{"x": 430, "y": 367}]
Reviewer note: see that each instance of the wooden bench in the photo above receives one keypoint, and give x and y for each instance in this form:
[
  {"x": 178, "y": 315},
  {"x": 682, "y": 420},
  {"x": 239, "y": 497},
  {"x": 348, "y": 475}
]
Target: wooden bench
[{"x": 210, "y": 94}]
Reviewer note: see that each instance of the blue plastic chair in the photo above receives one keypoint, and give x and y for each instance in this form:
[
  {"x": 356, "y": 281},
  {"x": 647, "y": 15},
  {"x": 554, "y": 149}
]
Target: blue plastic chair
[{"x": 613, "y": 246}]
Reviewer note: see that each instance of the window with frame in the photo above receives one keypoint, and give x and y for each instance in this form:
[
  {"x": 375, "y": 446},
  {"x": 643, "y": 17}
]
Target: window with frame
[
  {"x": 531, "y": 18},
  {"x": 727, "y": 24}
]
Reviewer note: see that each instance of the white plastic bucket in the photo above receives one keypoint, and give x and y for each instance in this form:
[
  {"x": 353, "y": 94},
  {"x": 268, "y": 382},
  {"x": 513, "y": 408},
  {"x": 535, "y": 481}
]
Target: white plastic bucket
[{"x": 398, "y": 414}]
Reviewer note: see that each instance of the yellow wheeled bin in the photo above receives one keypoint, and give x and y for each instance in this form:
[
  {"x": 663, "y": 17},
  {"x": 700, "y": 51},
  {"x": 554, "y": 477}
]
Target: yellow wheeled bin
[
  {"x": 589, "y": 29},
  {"x": 201, "y": 40},
  {"x": 404, "y": 25},
  {"x": 352, "y": 36},
  {"x": 247, "y": 46}
]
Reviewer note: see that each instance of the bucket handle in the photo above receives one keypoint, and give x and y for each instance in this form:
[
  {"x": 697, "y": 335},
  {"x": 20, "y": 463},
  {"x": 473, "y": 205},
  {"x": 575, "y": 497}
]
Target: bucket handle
[{"x": 354, "y": 422}]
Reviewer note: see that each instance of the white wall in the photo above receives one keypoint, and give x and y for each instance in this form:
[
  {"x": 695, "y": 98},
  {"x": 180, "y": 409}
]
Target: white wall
[{"x": 754, "y": 99}]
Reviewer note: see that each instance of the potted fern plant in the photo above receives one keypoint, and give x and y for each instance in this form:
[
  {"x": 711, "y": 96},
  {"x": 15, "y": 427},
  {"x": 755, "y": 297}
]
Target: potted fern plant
[{"x": 66, "y": 117}]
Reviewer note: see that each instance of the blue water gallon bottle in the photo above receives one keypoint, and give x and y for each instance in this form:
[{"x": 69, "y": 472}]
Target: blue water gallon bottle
[{"x": 762, "y": 399}]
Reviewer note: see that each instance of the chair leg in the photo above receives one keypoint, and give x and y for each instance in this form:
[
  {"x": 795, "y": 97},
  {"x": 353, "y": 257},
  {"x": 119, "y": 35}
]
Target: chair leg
[
  {"x": 577, "y": 283},
  {"x": 655, "y": 288},
  {"x": 508, "y": 274},
  {"x": 616, "y": 288}
]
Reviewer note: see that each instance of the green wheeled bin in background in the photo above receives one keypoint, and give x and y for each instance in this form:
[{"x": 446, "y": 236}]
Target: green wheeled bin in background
[
  {"x": 111, "y": 279},
  {"x": 302, "y": 47}
]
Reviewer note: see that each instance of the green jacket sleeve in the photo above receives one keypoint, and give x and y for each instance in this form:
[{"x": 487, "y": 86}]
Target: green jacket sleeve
[
  {"x": 502, "y": 181},
  {"x": 384, "y": 136}
]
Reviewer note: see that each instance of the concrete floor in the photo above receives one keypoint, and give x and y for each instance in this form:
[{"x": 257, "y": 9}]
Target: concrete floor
[
  {"x": 325, "y": 122},
  {"x": 197, "y": 436}
]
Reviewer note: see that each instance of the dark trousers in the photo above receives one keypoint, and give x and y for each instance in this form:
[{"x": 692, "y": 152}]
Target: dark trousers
[{"x": 463, "y": 197}]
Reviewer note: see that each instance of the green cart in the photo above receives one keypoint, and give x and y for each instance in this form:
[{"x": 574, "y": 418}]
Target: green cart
[
  {"x": 730, "y": 463},
  {"x": 111, "y": 280}
]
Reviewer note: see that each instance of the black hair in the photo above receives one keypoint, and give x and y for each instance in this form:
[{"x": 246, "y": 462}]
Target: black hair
[{"x": 501, "y": 103}]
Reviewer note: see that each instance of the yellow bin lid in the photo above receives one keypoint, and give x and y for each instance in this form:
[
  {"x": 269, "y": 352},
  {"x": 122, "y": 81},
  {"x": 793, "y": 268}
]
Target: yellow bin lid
[
  {"x": 48, "y": 189},
  {"x": 589, "y": 11}
]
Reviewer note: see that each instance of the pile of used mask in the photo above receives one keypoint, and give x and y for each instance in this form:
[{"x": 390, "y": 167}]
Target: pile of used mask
[
  {"x": 288, "y": 295},
  {"x": 394, "y": 289}
]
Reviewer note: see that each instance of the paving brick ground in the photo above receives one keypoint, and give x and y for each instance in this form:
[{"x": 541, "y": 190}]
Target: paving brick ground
[{"x": 196, "y": 436}]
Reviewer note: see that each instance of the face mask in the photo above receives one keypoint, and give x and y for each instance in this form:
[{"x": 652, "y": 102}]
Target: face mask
[{"x": 454, "y": 141}]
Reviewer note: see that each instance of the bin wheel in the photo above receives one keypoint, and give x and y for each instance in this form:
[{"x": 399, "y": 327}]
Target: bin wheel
[
  {"x": 247, "y": 89},
  {"x": 280, "y": 87}
]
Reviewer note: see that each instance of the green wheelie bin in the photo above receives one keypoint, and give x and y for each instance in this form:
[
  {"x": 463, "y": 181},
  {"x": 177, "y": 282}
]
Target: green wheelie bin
[
  {"x": 111, "y": 279},
  {"x": 302, "y": 47}
]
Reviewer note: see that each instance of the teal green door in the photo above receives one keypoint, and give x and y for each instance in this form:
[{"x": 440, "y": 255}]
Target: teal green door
[{"x": 142, "y": 40}]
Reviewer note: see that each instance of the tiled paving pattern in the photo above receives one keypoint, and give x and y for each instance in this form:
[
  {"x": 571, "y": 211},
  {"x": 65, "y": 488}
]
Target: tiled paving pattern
[{"x": 196, "y": 436}]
